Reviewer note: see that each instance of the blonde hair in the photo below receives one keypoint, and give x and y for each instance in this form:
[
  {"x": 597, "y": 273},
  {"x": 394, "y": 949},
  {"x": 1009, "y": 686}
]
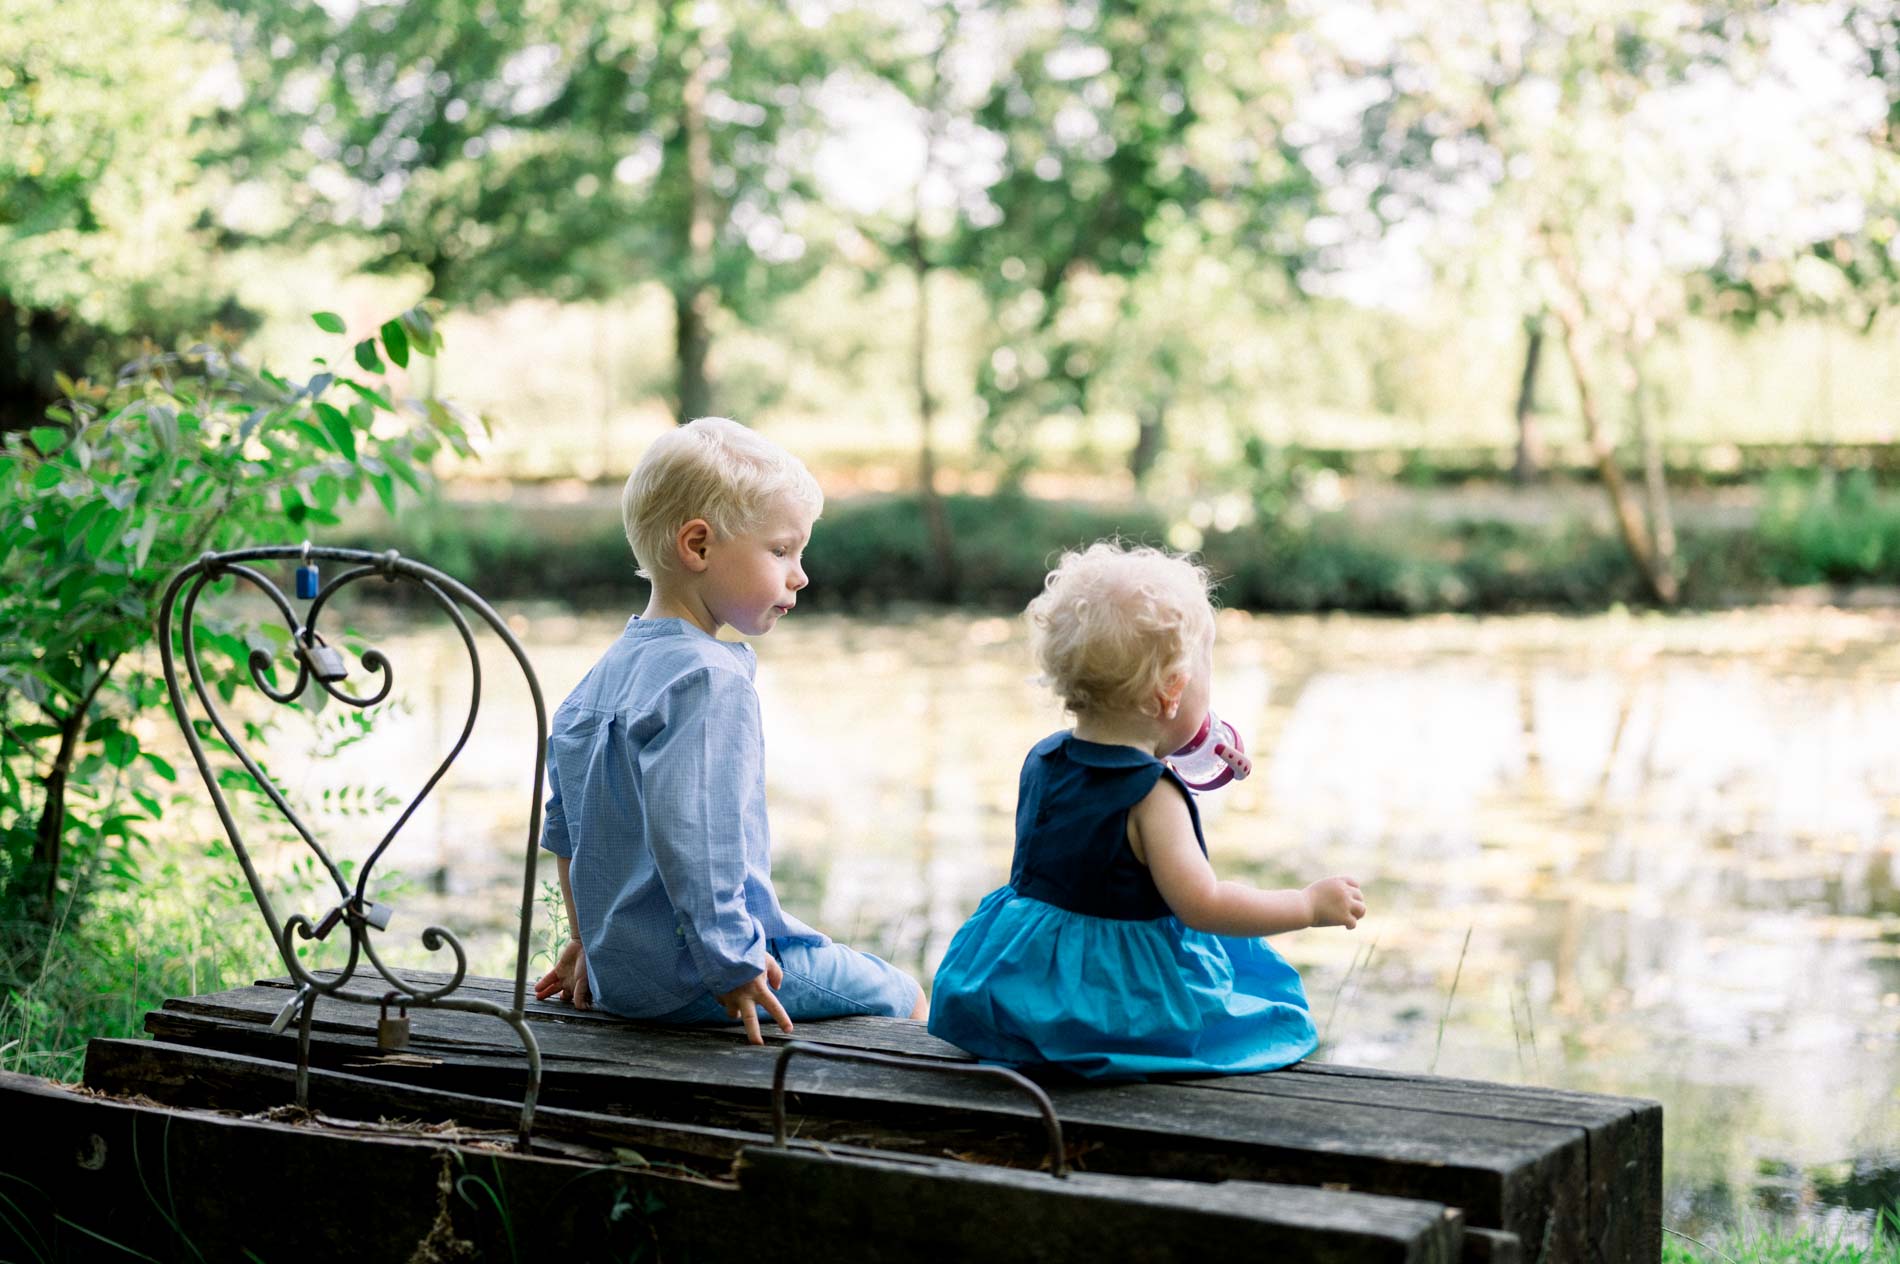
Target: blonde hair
[
  {"x": 1113, "y": 623},
  {"x": 715, "y": 469}
]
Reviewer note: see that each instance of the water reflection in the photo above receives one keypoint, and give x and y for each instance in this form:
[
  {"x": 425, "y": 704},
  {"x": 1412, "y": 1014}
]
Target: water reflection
[{"x": 1668, "y": 844}]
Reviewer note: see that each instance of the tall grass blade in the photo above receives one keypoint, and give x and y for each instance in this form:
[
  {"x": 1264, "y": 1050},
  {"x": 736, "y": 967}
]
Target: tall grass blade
[
  {"x": 10, "y": 1211},
  {"x": 1456, "y": 974}
]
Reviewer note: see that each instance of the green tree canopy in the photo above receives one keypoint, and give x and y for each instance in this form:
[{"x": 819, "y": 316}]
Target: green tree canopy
[
  {"x": 106, "y": 213},
  {"x": 572, "y": 150}
]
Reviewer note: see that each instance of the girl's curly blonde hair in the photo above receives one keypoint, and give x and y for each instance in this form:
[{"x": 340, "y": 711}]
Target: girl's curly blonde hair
[{"x": 1113, "y": 623}]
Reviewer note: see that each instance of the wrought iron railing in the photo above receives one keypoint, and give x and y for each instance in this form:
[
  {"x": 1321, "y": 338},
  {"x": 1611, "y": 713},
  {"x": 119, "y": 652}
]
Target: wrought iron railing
[{"x": 322, "y": 665}]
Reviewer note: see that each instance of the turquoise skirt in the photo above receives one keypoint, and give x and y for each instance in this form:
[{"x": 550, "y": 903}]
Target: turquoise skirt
[{"x": 1027, "y": 983}]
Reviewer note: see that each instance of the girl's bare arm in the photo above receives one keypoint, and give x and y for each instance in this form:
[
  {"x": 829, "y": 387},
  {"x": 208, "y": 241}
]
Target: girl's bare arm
[{"x": 1162, "y": 835}]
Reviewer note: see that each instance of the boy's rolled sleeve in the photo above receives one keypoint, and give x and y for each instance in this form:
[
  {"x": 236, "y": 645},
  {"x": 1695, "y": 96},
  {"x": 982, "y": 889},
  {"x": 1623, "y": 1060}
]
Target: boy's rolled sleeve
[
  {"x": 697, "y": 772},
  {"x": 554, "y": 835}
]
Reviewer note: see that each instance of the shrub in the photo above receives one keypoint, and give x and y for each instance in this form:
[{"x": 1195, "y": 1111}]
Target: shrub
[{"x": 98, "y": 509}]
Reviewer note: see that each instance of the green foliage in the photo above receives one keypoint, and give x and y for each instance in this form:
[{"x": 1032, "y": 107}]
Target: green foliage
[
  {"x": 184, "y": 453},
  {"x": 106, "y": 213},
  {"x": 877, "y": 550},
  {"x": 1831, "y": 528},
  {"x": 1139, "y": 139},
  {"x": 569, "y": 150},
  {"x": 865, "y": 553},
  {"x": 139, "y": 942},
  {"x": 870, "y": 552},
  {"x": 1784, "y": 1246}
]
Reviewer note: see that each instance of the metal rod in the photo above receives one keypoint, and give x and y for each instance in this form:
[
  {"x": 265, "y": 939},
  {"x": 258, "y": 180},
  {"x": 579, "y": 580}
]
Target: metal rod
[
  {"x": 1058, "y": 1155},
  {"x": 177, "y": 630}
]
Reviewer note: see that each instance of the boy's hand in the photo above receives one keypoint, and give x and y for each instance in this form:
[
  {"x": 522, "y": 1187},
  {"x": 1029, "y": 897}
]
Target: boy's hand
[
  {"x": 567, "y": 981},
  {"x": 1336, "y": 902},
  {"x": 743, "y": 1002}
]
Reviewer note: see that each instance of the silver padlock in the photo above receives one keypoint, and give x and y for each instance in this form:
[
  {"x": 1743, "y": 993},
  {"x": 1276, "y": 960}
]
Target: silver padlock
[
  {"x": 326, "y": 661},
  {"x": 392, "y": 1034}
]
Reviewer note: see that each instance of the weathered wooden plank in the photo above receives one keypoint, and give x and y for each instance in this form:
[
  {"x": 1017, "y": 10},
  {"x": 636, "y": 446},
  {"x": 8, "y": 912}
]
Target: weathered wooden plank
[
  {"x": 1492, "y": 1246},
  {"x": 201, "y": 1078},
  {"x": 179, "y": 1076},
  {"x": 1622, "y": 1136},
  {"x": 1622, "y": 1139},
  {"x": 1525, "y": 1178},
  {"x": 704, "y": 1059},
  {"x": 191, "y": 1183},
  {"x": 1106, "y": 1218}
]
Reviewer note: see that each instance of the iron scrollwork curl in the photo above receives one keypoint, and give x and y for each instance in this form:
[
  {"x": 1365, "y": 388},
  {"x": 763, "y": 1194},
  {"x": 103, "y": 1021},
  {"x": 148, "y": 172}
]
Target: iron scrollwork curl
[{"x": 354, "y": 911}]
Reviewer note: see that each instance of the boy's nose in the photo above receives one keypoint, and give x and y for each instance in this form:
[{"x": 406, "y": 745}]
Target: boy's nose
[{"x": 797, "y": 579}]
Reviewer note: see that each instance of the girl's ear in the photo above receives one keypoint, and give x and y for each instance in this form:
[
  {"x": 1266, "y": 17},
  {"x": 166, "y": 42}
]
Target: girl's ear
[
  {"x": 1168, "y": 697},
  {"x": 690, "y": 543}
]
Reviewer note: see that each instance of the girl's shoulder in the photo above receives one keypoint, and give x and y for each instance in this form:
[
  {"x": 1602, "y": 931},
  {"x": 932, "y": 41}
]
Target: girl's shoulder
[{"x": 1064, "y": 747}]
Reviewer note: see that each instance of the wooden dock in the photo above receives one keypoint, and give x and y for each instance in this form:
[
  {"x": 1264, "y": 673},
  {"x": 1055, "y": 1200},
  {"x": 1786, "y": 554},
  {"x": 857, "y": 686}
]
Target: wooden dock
[{"x": 672, "y": 1128}]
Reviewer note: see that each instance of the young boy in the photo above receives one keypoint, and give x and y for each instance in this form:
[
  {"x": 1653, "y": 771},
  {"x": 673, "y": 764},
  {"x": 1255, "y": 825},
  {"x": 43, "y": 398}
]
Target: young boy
[{"x": 656, "y": 773}]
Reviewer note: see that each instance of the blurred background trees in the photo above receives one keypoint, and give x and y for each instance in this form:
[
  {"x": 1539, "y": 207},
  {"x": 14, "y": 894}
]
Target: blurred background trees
[
  {"x": 1237, "y": 262},
  {"x": 107, "y": 119}
]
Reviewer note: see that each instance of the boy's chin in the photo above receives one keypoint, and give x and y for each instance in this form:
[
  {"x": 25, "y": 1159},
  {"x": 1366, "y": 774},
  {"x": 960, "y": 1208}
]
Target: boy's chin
[{"x": 761, "y": 624}]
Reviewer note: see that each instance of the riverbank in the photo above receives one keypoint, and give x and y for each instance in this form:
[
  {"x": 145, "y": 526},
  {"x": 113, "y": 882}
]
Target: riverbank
[{"x": 1380, "y": 547}]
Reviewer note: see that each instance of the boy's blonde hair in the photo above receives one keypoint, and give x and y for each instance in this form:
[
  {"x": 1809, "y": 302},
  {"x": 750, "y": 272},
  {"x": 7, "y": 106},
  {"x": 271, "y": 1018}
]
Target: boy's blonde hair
[
  {"x": 713, "y": 468},
  {"x": 1113, "y": 623}
]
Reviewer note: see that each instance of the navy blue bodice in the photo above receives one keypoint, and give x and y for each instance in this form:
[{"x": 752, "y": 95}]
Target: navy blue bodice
[{"x": 1072, "y": 828}]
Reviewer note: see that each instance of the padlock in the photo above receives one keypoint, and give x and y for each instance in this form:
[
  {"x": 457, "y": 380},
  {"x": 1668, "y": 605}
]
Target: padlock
[
  {"x": 328, "y": 923},
  {"x": 307, "y": 582},
  {"x": 326, "y": 661},
  {"x": 392, "y": 1034}
]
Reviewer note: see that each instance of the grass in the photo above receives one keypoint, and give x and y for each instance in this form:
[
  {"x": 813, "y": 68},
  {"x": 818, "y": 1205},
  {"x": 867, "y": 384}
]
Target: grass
[
  {"x": 1785, "y": 1246},
  {"x": 1451, "y": 994},
  {"x": 180, "y": 931}
]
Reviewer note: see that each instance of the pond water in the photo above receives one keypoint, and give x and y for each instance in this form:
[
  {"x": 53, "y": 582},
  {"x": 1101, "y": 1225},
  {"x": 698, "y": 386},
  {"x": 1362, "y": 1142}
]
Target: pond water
[{"x": 1631, "y": 854}]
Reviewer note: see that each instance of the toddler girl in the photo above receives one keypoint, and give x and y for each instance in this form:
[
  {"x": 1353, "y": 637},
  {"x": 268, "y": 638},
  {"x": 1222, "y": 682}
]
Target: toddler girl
[{"x": 1114, "y": 951}]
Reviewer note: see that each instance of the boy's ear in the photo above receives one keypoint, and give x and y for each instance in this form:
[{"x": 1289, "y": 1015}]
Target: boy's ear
[{"x": 690, "y": 543}]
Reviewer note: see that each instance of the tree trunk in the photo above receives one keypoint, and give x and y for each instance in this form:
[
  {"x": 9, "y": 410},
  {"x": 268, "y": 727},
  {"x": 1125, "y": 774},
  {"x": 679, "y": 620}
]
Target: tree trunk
[
  {"x": 1629, "y": 515},
  {"x": 41, "y": 884},
  {"x": 1530, "y": 444},
  {"x": 693, "y": 299},
  {"x": 1151, "y": 435},
  {"x": 604, "y": 381},
  {"x": 1655, "y": 477},
  {"x": 936, "y": 521}
]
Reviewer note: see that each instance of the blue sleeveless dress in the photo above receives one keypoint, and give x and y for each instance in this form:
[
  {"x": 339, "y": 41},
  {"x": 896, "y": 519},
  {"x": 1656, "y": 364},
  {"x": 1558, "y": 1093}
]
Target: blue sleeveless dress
[{"x": 1078, "y": 963}]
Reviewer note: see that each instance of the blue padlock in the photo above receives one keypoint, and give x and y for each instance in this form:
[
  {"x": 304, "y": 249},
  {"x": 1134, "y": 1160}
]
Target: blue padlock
[{"x": 307, "y": 582}]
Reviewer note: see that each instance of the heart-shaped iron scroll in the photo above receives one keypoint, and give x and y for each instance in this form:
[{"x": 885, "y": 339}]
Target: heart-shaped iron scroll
[{"x": 320, "y": 666}]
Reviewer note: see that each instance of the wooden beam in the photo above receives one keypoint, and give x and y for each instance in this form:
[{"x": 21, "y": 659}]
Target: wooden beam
[
  {"x": 1512, "y": 1163},
  {"x": 106, "y": 1176}
]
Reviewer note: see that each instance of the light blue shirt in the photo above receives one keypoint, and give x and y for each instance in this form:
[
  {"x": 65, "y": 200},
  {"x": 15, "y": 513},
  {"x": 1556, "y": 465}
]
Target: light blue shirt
[{"x": 656, "y": 780}]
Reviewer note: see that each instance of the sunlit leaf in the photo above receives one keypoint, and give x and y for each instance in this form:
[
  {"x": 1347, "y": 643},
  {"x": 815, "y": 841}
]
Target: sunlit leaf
[
  {"x": 342, "y": 435},
  {"x": 375, "y": 397},
  {"x": 121, "y": 749},
  {"x": 104, "y": 531},
  {"x": 315, "y": 434},
  {"x": 385, "y": 491},
  {"x": 396, "y": 343}
]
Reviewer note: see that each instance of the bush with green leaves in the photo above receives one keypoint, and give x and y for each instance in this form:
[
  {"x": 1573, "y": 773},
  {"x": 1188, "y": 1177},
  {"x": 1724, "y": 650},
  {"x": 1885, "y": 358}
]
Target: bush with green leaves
[
  {"x": 126, "y": 483},
  {"x": 1830, "y": 528}
]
